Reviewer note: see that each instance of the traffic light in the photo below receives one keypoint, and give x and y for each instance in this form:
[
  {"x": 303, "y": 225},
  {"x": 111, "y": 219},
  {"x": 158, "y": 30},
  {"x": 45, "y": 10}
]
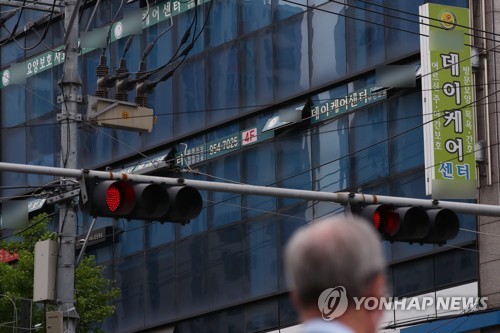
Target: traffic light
[
  {"x": 411, "y": 224},
  {"x": 142, "y": 201}
]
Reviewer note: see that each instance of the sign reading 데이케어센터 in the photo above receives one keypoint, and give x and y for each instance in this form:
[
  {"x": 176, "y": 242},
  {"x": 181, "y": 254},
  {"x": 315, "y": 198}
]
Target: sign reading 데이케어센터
[{"x": 448, "y": 102}]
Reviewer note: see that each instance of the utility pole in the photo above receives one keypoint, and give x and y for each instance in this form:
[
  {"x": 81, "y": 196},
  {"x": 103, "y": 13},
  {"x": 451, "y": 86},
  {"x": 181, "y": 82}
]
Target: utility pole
[{"x": 71, "y": 95}]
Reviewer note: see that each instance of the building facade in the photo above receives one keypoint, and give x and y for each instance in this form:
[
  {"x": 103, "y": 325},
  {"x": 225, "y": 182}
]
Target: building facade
[{"x": 273, "y": 93}]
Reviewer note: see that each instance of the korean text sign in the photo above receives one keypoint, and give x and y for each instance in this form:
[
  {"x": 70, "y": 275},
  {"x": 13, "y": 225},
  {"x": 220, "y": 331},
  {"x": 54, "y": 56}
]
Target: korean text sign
[{"x": 448, "y": 102}]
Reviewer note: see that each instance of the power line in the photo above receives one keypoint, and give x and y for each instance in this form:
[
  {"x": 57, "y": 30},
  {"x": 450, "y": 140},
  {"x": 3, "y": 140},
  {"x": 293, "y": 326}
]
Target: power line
[
  {"x": 383, "y": 24},
  {"x": 46, "y": 30},
  {"x": 412, "y": 21},
  {"x": 432, "y": 19}
]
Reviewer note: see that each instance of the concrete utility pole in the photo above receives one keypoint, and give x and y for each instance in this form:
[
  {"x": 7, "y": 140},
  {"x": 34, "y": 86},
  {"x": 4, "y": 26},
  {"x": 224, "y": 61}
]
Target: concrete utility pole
[{"x": 68, "y": 118}]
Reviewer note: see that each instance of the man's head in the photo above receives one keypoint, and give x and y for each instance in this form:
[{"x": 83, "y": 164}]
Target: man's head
[{"x": 338, "y": 251}]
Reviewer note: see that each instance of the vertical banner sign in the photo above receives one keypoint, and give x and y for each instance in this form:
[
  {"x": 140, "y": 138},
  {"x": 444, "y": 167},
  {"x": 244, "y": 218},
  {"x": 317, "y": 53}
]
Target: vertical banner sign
[{"x": 448, "y": 98}]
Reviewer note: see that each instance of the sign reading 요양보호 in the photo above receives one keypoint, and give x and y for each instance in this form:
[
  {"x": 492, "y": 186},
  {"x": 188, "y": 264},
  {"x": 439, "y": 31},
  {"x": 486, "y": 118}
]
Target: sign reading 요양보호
[{"x": 448, "y": 102}]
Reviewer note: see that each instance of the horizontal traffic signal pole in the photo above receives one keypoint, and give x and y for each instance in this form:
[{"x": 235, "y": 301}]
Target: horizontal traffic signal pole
[{"x": 339, "y": 197}]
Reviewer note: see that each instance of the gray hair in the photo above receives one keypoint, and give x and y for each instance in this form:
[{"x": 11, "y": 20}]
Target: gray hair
[{"x": 338, "y": 251}]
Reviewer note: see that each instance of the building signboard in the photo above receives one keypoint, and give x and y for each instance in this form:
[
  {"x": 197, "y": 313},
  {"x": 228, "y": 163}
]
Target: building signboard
[
  {"x": 448, "y": 102},
  {"x": 350, "y": 102}
]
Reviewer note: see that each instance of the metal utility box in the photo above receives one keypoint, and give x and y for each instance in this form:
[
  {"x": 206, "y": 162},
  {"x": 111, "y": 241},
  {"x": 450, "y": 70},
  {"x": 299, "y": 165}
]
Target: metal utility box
[{"x": 44, "y": 286}]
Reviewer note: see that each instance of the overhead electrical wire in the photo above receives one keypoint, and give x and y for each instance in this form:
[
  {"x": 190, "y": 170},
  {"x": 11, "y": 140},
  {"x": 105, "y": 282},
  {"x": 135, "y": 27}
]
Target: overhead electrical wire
[
  {"x": 184, "y": 53},
  {"x": 430, "y": 18},
  {"x": 46, "y": 30},
  {"x": 410, "y": 20},
  {"x": 380, "y": 24},
  {"x": 14, "y": 30},
  {"x": 108, "y": 35}
]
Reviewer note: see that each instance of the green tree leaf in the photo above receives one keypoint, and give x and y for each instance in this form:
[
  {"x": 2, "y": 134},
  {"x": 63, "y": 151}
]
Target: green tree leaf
[{"x": 94, "y": 294}]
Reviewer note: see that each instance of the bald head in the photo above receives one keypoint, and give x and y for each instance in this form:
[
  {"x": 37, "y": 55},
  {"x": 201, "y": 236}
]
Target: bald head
[{"x": 338, "y": 251}]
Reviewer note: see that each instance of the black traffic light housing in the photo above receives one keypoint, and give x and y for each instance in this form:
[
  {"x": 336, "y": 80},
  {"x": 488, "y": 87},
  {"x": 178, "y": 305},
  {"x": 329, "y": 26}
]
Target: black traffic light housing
[
  {"x": 142, "y": 200},
  {"x": 411, "y": 224}
]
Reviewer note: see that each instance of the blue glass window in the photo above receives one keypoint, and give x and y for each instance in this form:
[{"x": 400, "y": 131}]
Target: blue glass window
[
  {"x": 457, "y": 3},
  {"x": 262, "y": 316},
  {"x": 13, "y": 151},
  {"x": 455, "y": 266},
  {"x": 222, "y": 22},
  {"x": 369, "y": 159},
  {"x": 331, "y": 155},
  {"x": 189, "y": 92},
  {"x": 290, "y": 220},
  {"x": 223, "y": 84},
  {"x": 227, "y": 321},
  {"x": 10, "y": 53},
  {"x": 225, "y": 208},
  {"x": 256, "y": 80},
  {"x": 34, "y": 38},
  {"x": 161, "y": 103},
  {"x": 57, "y": 32},
  {"x": 291, "y": 66},
  {"x": 103, "y": 254},
  {"x": 328, "y": 44},
  {"x": 104, "y": 13},
  {"x": 94, "y": 146},
  {"x": 13, "y": 105},
  {"x": 125, "y": 142},
  {"x": 258, "y": 167},
  {"x": 191, "y": 275},
  {"x": 160, "y": 233},
  {"x": 90, "y": 61},
  {"x": 183, "y": 22},
  {"x": 225, "y": 252},
  {"x": 405, "y": 119},
  {"x": 285, "y": 9},
  {"x": 161, "y": 98},
  {"x": 413, "y": 277},
  {"x": 222, "y": 132},
  {"x": 255, "y": 14},
  {"x": 468, "y": 222},
  {"x": 40, "y": 94},
  {"x": 330, "y": 152},
  {"x": 40, "y": 139},
  {"x": 162, "y": 51},
  {"x": 288, "y": 314},
  {"x": 398, "y": 35},
  {"x": 132, "y": 238},
  {"x": 365, "y": 33},
  {"x": 160, "y": 285},
  {"x": 129, "y": 275},
  {"x": 261, "y": 257},
  {"x": 293, "y": 163}
]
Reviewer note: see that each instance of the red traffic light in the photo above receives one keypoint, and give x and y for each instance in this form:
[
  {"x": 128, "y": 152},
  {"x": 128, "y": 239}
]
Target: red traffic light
[
  {"x": 142, "y": 201},
  {"x": 412, "y": 224},
  {"x": 114, "y": 197},
  {"x": 383, "y": 218}
]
